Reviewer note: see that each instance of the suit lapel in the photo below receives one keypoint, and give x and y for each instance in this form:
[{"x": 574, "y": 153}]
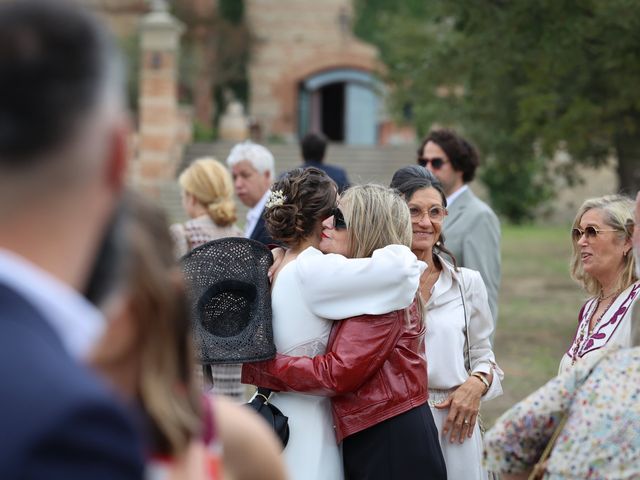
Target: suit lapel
[{"x": 457, "y": 208}]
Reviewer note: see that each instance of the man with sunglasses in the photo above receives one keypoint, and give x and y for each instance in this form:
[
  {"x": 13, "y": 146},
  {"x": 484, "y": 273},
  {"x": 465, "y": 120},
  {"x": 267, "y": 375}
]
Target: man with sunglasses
[{"x": 471, "y": 228}]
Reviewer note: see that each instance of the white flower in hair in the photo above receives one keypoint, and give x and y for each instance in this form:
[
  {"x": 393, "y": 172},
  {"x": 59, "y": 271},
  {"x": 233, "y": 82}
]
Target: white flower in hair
[{"x": 276, "y": 199}]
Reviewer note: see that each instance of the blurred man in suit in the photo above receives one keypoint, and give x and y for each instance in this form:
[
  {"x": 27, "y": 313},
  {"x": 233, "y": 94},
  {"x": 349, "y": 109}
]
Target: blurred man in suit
[
  {"x": 62, "y": 164},
  {"x": 471, "y": 228},
  {"x": 313, "y": 147},
  {"x": 253, "y": 171}
]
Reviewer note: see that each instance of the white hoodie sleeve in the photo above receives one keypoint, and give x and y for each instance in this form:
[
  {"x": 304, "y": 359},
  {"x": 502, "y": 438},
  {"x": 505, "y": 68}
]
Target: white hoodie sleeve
[{"x": 336, "y": 287}]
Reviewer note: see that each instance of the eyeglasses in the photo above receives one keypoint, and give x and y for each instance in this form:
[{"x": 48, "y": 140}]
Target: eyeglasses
[
  {"x": 436, "y": 163},
  {"x": 436, "y": 213},
  {"x": 338, "y": 219},
  {"x": 589, "y": 232}
]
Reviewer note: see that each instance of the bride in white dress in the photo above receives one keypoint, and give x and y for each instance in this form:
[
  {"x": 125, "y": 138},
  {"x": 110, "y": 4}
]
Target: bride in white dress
[{"x": 308, "y": 290}]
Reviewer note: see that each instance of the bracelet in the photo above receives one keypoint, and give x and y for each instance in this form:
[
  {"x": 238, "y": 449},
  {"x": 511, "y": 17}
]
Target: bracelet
[{"x": 483, "y": 379}]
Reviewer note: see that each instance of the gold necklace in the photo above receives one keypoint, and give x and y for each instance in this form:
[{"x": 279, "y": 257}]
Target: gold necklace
[
  {"x": 602, "y": 297},
  {"x": 427, "y": 279}
]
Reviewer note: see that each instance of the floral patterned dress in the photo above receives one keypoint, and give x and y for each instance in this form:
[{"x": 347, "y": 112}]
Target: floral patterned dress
[{"x": 601, "y": 438}]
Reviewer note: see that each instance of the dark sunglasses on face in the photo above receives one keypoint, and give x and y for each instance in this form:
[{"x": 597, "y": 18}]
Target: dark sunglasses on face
[
  {"x": 589, "y": 232},
  {"x": 436, "y": 163},
  {"x": 338, "y": 219}
]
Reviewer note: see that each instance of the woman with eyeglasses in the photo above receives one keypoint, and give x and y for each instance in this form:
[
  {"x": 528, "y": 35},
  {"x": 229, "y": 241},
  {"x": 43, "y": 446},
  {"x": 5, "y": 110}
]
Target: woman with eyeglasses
[
  {"x": 311, "y": 290},
  {"x": 603, "y": 264},
  {"x": 374, "y": 368},
  {"x": 462, "y": 368}
]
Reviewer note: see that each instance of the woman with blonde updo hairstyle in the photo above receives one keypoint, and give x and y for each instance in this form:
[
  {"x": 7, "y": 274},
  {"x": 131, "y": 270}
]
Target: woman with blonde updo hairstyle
[
  {"x": 207, "y": 197},
  {"x": 207, "y": 192}
]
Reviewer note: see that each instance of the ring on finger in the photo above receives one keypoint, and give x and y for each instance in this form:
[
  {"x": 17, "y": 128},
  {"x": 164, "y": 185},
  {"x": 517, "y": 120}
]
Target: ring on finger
[{"x": 466, "y": 421}]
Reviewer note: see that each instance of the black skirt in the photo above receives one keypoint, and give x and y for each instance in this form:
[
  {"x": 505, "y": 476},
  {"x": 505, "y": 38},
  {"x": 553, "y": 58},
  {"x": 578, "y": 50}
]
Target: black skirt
[{"x": 404, "y": 447}]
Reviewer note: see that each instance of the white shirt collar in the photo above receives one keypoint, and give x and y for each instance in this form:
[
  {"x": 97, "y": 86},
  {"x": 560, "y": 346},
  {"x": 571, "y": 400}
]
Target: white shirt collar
[
  {"x": 253, "y": 215},
  {"x": 76, "y": 321},
  {"x": 452, "y": 198}
]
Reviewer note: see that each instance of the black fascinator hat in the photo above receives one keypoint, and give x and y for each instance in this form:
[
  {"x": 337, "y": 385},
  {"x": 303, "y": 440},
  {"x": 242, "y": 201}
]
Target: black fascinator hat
[{"x": 230, "y": 300}]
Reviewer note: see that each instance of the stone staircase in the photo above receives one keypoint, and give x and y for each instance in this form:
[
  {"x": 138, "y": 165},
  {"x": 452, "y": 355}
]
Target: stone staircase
[
  {"x": 377, "y": 164},
  {"x": 363, "y": 165}
]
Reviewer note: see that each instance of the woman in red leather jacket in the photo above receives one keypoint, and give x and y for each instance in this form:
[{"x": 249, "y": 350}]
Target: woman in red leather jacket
[{"x": 374, "y": 368}]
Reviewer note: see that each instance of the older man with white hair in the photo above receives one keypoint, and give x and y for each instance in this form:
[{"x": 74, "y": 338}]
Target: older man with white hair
[{"x": 253, "y": 170}]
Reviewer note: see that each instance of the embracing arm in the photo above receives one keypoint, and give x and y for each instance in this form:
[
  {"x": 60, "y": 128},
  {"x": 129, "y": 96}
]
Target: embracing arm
[
  {"x": 336, "y": 287},
  {"x": 360, "y": 348}
]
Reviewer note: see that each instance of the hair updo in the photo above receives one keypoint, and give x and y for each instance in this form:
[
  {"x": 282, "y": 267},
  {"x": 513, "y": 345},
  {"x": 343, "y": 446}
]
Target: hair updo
[
  {"x": 308, "y": 195},
  {"x": 211, "y": 184}
]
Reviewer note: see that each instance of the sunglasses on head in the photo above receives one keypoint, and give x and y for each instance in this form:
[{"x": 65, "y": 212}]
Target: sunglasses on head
[
  {"x": 338, "y": 219},
  {"x": 436, "y": 163},
  {"x": 589, "y": 232}
]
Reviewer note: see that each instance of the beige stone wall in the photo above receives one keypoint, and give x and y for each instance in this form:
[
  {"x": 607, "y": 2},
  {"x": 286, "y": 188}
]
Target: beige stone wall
[
  {"x": 123, "y": 16},
  {"x": 292, "y": 40}
]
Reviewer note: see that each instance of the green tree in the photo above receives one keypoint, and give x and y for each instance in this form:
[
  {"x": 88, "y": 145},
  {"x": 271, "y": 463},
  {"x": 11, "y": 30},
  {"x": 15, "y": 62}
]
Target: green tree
[{"x": 523, "y": 79}]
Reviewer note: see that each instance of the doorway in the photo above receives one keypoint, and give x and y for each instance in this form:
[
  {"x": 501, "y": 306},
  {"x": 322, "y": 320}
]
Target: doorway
[
  {"x": 342, "y": 104},
  {"x": 332, "y": 111}
]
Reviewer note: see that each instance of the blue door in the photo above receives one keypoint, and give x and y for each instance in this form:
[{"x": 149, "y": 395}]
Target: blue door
[
  {"x": 361, "y": 112},
  {"x": 357, "y": 109}
]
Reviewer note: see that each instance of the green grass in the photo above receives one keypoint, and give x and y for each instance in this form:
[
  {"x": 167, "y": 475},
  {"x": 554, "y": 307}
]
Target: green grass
[{"x": 538, "y": 310}]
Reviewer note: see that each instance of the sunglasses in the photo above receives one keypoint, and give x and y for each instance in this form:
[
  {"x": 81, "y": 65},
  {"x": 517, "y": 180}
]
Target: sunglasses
[
  {"x": 338, "y": 219},
  {"x": 589, "y": 232},
  {"x": 436, "y": 163}
]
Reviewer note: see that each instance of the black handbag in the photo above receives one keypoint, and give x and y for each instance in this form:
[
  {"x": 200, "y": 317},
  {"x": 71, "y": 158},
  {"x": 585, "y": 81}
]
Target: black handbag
[{"x": 271, "y": 414}]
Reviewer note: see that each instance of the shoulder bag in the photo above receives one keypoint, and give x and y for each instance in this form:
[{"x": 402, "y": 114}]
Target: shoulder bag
[{"x": 271, "y": 414}]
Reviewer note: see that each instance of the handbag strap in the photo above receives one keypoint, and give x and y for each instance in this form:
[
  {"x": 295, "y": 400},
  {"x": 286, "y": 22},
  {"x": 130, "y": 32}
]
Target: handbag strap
[
  {"x": 264, "y": 393},
  {"x": 538, "y": 469},
  {"x": 462, "y": 288}
]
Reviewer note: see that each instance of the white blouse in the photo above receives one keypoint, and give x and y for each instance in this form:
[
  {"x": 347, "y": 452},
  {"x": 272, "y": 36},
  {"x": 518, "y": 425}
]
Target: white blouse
[
  {"x": 336, "y": 287},
  {"x": 445, "y": 338}
]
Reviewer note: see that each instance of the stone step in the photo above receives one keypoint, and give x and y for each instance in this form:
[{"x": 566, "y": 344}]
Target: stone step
[{"x": 363, "y": 164}]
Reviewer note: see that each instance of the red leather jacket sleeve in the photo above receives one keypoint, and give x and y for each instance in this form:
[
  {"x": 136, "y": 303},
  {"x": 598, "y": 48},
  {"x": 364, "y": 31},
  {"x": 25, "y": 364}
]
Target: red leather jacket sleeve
[{"x": 357, "y": 350}]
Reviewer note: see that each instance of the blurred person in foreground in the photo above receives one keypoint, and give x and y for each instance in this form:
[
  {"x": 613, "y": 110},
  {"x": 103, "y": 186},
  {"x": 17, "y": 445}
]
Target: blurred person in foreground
[
  {"x": 63, "y": 150},
  {"x": 207, "y": 198},
  {"x": 597, "y": 398},
  {"x": 313, "y": 148},
  {"x": 253, "y": 171},
  {"x": 603, "y": 264},
  {"x": 471, "y": 227},
  {"x": 147, "y": 354}
]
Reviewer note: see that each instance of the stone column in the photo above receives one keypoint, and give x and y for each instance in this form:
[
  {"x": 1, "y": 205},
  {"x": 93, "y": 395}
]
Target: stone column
[{"x": 159, "y": 127}]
